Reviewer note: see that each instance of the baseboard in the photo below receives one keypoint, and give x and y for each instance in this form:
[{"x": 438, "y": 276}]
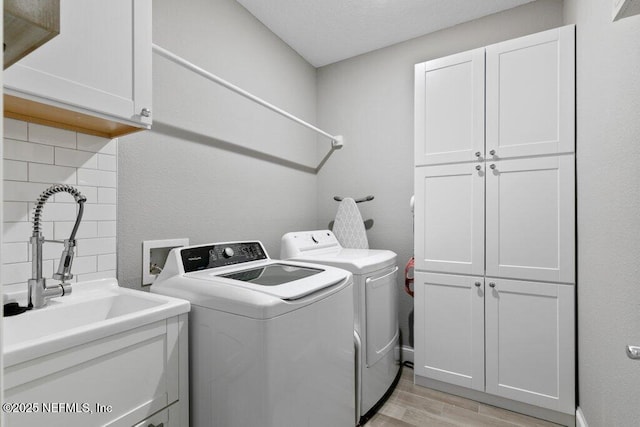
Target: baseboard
[
  {"x": 407, "y": 354},
  {"x": 581, "y": 421}
]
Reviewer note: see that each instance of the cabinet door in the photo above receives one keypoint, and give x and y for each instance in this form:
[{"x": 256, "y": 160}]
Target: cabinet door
[
  {"x": 531, "y": 95},
  {"x": 449, "y": 329},
  {"x": 100, "y": 64},
  {"x": 449, "y": 219},
  {"x": 530, "y": 211},
  {"x": 530, "y": 343},
  {"x": 449, "y": 109}
]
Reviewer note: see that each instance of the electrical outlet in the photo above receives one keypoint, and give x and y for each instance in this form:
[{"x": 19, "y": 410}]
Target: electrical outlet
[{"x": 154, "y": 255}]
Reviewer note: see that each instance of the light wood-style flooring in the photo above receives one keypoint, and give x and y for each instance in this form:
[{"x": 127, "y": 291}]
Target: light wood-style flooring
[{"x": 412, "y": 405}]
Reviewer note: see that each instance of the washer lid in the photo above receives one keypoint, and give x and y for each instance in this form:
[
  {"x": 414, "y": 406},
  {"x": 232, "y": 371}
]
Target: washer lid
[
  {"x": 273, "y": 274},
  {"x": 286, "y": 281}
]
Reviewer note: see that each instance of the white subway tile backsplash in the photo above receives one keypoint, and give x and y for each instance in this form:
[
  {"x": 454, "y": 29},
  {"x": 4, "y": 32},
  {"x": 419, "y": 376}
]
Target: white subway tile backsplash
[
  {"x": 99, "y": 246},
  {"x": 91, "y": 193},
  {"x": 21, "y": 231},
  {"x": 88, "y": 177},
  {"x": 51, "y": 136},
  {"x": 107, "y": 195},
  {"x": 107, "y": 228},
  {"x": 15, "y": 129},
  {"x": 100, "y": 212},
  {"x": 50, "y": 251},
  {"x": 36, "y": 157},
  {"x": 18, "y": 191},
  {"x": 107, "y": 262},
  {"x": 94, "y": 144},
  {"x": 51, "y": 174},
  {"x": 82, "y": 264},
  {"x": 15, "y": 252},
  {"x": 26, "y": 151},
  {"x": 75, "y": 158},
  {"x": 87, "y": 230},
  {"x": 56, "y": 211},
  {"x": 16, "y": 272},
  {"x": 15, "y": 170},
  {"x": 16, "y": 232},
  {"x": 108, "y": 179},
  {"x": 107, "y": 162},
  {"x": 97, "y": 178},
  {"x": 16, "y": 211}
]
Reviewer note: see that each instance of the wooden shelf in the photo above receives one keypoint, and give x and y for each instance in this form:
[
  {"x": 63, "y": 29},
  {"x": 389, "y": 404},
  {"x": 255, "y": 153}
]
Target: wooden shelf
[{"x": 48, "y": 115}]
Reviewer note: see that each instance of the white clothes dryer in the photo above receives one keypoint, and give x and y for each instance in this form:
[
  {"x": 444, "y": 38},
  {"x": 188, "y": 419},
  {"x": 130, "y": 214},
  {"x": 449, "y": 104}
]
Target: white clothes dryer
[
  {"x": 375, "y": 307},
  {"x": 271, "y": 342}
]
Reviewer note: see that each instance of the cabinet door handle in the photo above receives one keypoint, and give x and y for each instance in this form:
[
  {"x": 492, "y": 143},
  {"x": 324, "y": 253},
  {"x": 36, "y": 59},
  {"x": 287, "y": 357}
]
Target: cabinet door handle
[
  {"x": 478, "y": 284},
  {"x": 145, "y": 112},
  {"x": 491, "y": 284},
  {"x": 492, "y": 152}
]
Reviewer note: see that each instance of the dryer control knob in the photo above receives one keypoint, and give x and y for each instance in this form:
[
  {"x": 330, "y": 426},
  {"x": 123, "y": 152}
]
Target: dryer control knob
[{"x": 227, "y": 252}]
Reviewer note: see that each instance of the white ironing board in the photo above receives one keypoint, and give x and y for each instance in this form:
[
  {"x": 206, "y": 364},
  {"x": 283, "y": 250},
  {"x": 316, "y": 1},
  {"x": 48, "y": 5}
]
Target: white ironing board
[{"x": 348, "y": 226}]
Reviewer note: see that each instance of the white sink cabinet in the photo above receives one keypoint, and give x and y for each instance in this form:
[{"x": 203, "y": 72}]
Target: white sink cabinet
[{"x": 126, "y": 366}]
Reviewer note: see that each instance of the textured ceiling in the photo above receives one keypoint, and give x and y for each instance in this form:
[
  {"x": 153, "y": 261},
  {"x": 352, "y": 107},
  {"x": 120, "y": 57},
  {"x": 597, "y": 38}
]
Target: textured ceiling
[{"x": 326, "y": 31}]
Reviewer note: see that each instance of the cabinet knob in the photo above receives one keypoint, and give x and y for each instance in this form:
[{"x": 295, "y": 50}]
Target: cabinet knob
[
  {"x": 492, "y": 152},
  {"x": 145, "y": 112},
  {"x": 492, "y": 166},
  {"x": 478, "y": 284},
  {"x": 478, "y": 167},
  {"x": 491, "y": 284},
  {"x": 478, "y": 154}
]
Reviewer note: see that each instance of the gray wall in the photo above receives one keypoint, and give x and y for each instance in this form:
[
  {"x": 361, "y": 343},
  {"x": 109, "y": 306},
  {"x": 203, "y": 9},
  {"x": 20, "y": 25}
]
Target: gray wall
[
  {"x": 608, "y": 151},
  {"x": 216, "y": 167},
  {"x": 369, "y": 99}
]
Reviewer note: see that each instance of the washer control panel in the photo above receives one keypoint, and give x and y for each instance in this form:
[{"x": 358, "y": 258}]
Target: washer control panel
[{"x": 220, "y": 255}]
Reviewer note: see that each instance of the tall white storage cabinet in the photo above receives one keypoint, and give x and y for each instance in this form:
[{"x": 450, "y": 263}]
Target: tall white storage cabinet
[{"x": 495, "y": 224}]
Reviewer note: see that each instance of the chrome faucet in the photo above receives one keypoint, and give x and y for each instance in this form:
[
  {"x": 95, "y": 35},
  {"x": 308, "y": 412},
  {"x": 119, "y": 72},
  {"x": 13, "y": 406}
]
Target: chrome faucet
[{"x": 38, "y": 292}]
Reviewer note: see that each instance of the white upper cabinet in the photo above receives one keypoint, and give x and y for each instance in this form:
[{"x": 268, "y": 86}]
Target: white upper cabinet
[
  {"x": 449, "y": 109},
  {"x": 530, "y": 219},
  {"x": 449, "y": 218},
  {"x": 530, "y": 84},
  {"x": 99, "y": 66},
  {"x": 524, "y": 89}
]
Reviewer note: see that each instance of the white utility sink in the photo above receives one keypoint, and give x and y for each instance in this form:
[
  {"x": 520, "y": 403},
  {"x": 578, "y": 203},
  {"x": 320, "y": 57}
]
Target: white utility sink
[{"x": 94, "y": 310}]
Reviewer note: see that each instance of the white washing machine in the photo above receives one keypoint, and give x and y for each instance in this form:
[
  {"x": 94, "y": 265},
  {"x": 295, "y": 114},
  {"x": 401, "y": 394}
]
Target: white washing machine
[
  {"x": 271, "y": 342},
  {"x": 375, "y": 307}
]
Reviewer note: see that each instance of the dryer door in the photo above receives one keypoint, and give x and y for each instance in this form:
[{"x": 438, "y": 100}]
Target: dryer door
[{"x": 381, "y": 298}]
